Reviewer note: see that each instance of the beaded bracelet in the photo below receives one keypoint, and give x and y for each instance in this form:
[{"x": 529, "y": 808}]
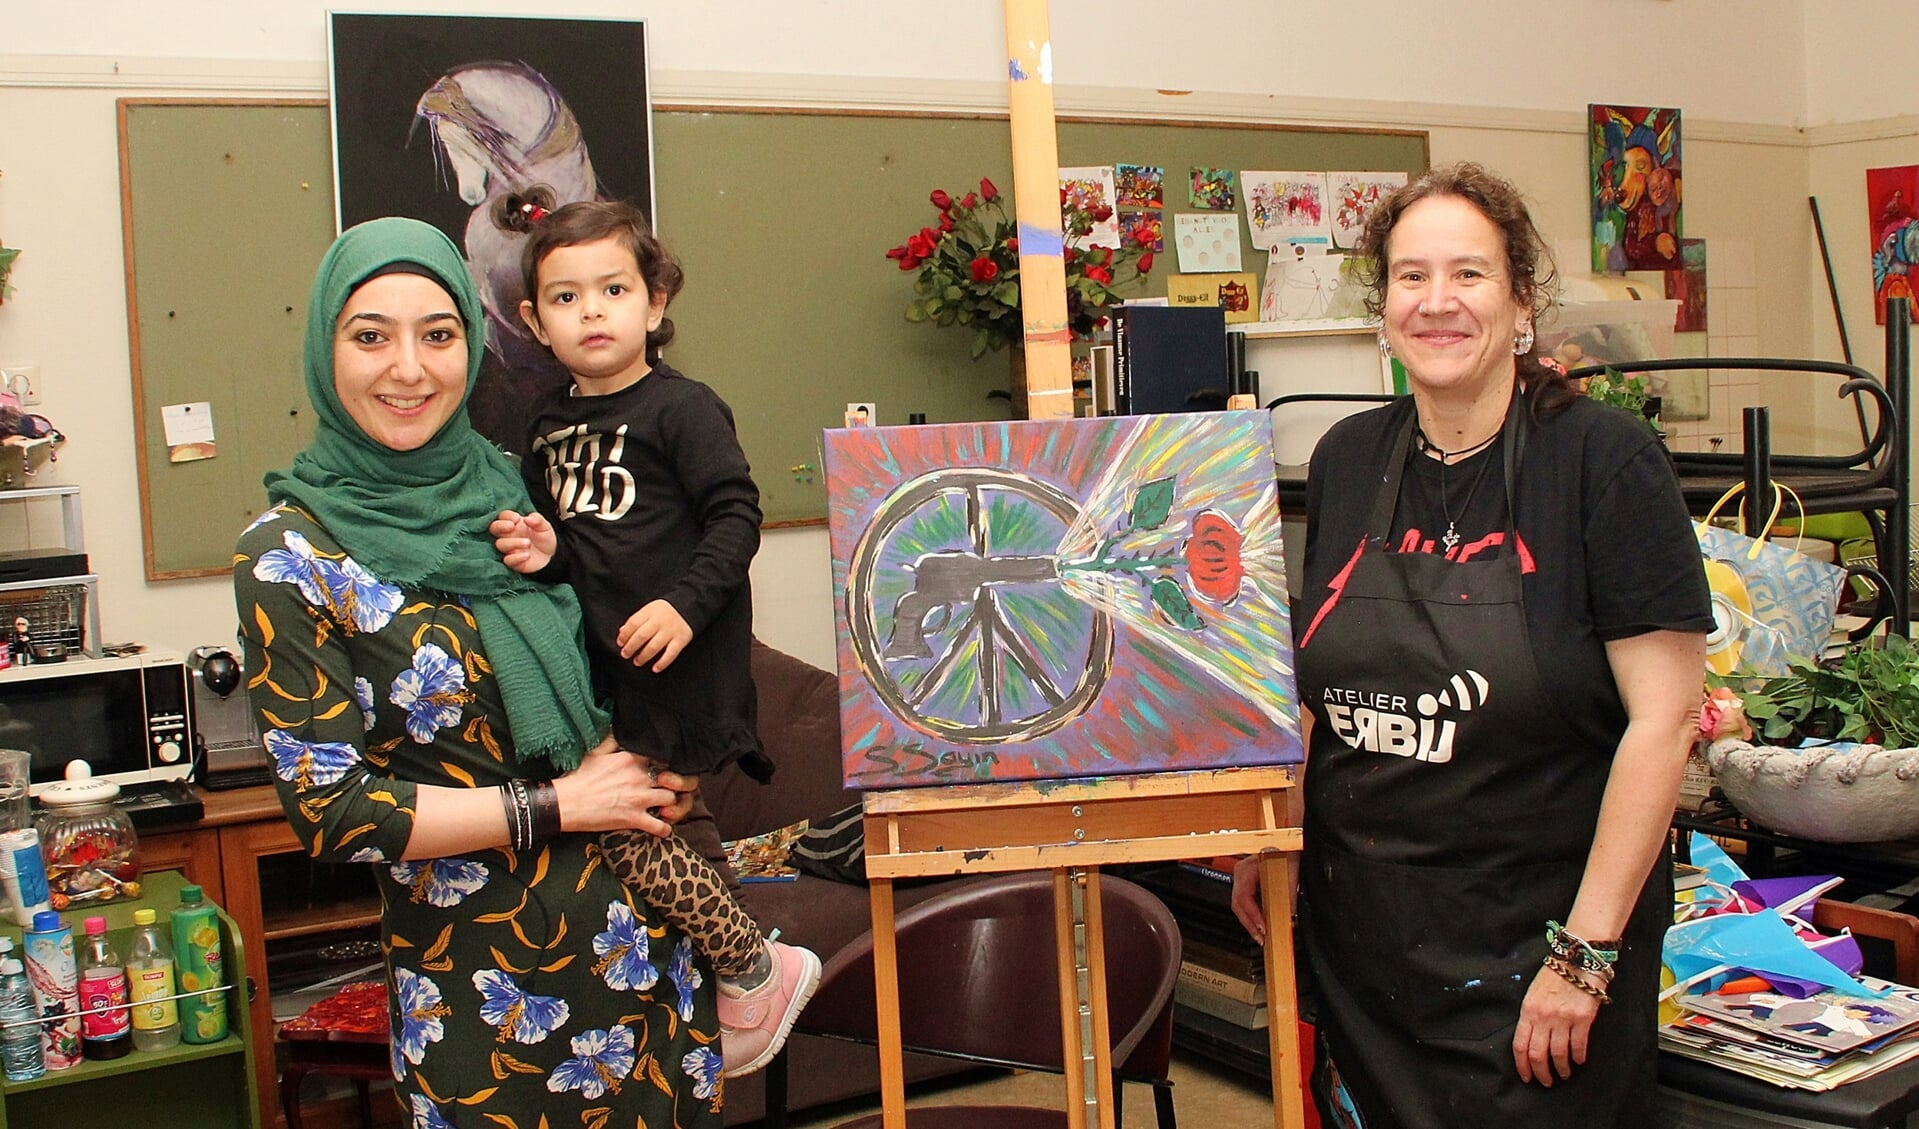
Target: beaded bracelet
[
  {"x": 1571, "y": 977},
  {"x": 1577, "y": 952}
]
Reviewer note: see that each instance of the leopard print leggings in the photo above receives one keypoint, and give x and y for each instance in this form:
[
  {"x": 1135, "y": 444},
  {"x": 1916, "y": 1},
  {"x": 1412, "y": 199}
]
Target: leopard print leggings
[{"x": 675, "y": 879}]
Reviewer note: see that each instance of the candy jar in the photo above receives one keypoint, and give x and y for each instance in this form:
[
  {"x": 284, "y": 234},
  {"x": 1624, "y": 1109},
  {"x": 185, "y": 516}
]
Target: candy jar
[{"x": 89, "y": 843}]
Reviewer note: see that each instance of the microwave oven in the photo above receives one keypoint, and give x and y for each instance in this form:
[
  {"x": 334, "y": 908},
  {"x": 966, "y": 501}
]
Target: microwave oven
[{"x": 129, "y": 718}]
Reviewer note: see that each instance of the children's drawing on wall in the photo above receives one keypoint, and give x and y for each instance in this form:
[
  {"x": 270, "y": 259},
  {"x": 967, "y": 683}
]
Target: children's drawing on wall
[
  {"x": 1143, "y": 229},
  {"x": 1307, "y": 284},
  {"x": 1893, "y": 213},
  {"x": 1636, "y": 187},
  {"x": 1091, "y": 189},
  {"x": 1354, "y": 195},
  {"x": 1077, "y": 598},
  {"x": 1287, "y": 207},
  {"x": 1139, "y": 186},
  {"x": 442, "y": 118},
  {"x": 1211, "y": 189},
  {"x": 1206, "y": 241}
]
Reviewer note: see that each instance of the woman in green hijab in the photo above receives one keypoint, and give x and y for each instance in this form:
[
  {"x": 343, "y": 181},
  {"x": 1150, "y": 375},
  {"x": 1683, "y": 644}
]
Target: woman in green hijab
[{"x": 417, "y": 698}]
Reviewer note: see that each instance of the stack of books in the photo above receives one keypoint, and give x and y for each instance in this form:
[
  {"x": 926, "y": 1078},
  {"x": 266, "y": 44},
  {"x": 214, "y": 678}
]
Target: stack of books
[
  {"x": 1817, "y": 1043},
  {"x": 1223, "y": 982}
]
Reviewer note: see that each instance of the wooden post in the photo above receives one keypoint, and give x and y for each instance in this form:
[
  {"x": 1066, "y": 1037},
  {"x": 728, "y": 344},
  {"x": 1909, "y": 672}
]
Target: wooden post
[{"x": 1042, "y": 247}]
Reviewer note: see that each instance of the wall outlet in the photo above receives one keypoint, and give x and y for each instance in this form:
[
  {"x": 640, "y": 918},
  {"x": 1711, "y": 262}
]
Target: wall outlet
[{"x": 23, "y": 381}]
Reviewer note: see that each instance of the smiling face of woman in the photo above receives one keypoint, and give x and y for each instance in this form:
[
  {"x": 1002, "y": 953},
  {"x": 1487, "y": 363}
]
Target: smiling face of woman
[
  {"x": 399, "y": 359},
  {"x": 1450, "y": 312}
]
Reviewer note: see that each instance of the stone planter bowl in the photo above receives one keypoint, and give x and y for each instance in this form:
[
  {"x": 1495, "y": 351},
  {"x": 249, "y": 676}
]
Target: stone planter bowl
[{"x": 1867, "y": 794}]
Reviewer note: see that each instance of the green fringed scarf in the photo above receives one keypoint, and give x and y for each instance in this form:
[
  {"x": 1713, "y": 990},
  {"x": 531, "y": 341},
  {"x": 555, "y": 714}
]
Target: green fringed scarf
[{"x": 419, "y": 518}]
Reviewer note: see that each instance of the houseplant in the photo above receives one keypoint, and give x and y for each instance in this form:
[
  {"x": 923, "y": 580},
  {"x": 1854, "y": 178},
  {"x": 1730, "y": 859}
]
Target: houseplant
[
  {"x": 968, "y": 268},
  {"x": 1843, "y": 765}
]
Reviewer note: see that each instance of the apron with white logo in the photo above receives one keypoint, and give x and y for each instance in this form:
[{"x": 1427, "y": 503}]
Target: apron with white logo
[{"x": 1449, "y": 813}]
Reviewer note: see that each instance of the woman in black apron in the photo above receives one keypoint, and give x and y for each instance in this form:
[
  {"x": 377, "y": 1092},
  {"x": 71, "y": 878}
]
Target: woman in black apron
[{"x": 1500, "y": 641}]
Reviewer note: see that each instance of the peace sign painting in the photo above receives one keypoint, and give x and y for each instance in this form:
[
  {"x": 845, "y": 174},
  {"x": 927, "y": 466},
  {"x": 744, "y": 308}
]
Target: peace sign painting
[{"x": 1064, "y": 599}]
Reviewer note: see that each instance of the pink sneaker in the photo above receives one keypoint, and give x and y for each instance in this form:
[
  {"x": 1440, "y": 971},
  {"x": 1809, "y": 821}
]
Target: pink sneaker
[{"x": 754, "y": 1026}]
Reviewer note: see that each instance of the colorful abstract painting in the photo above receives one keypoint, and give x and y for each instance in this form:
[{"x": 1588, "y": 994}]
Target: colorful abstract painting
[
  {"x": 1064, "y": 599},
  {"x": 1140, "y": 186},
  {"x": 1636, "y": 188},
  {"x": 1892, "y": 212},
  {"x": 1688, "y": 284},
  {"x": 1211, "y": 189}
]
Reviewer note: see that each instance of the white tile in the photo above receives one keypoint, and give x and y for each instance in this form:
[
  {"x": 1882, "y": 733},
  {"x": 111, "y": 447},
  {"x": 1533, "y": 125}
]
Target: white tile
[
  {"x": 1733, "y": 259},
  {"x": 1737, "y": 312}
]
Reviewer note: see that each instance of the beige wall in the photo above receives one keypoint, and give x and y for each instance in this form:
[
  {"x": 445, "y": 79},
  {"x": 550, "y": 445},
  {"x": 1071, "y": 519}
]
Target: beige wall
[{"x": 1748, "y": 168}]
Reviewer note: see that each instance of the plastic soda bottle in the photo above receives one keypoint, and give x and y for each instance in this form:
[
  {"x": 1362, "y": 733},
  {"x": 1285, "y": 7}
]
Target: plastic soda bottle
[
  {"x": 20, "y": 1037},
  {"x": 106, "y": 1027},
  {"x": 56, "y": 988},
  {"x": 197, "y": 958},
  {"x": 156, "y": 1018}
]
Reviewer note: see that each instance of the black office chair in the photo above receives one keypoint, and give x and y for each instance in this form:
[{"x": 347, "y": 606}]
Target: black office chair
[{"x": 977, "y": 981}]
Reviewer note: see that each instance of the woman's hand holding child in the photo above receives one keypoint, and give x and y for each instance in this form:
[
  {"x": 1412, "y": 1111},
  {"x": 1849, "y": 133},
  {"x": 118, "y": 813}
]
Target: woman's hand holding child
[{"x": 613, "y": 790}]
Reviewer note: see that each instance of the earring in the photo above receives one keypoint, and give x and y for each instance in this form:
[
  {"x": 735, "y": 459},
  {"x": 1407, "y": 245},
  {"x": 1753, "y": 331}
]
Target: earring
[
  {"x": 1523, "y": 342},
  {"x": 1385, "y": 346}
]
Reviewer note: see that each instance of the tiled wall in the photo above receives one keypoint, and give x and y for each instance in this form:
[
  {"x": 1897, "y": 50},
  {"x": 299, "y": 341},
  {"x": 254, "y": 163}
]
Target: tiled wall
[{"x": 1732, "y": 330}]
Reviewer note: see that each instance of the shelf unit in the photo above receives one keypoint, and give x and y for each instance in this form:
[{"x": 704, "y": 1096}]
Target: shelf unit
[
  {"x": 190, "y": 1086},
  {"x": 15, "y": 596}
]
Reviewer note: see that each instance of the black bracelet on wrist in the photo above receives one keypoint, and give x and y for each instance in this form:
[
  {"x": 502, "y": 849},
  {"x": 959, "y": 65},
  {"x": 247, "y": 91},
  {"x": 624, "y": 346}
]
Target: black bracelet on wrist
[{"x": 543, "y": 811}]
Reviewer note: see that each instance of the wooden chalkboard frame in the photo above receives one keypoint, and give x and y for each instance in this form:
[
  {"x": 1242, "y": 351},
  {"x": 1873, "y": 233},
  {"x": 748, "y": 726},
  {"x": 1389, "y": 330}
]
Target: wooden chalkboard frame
[{"x": 782, "y": 217}]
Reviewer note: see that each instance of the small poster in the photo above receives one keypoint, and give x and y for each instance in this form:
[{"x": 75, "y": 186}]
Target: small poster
[
  {"x": 1688, "y": 284},
  {"x": 1207, "y": 241},
  {"x": 1233, "y": 293},
  {"x": 1354, "y": 196},
  {"x": 188, "y": 430},
  {"x": 1140, "y": 186},
  {"x": 1212, "y": 189},
  {"x": 1089, "y": 188},
  {"x": 1307, "y": 284},
  {"x": 1287, "y": 208}
]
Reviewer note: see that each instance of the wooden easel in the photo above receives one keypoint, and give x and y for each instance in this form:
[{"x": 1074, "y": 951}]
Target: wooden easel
[{"x": 1073, "y": 828}]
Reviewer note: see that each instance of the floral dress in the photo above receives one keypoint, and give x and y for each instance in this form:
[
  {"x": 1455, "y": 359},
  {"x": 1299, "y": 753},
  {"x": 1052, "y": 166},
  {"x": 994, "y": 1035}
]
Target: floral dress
[{"x": 524, "y": 989}]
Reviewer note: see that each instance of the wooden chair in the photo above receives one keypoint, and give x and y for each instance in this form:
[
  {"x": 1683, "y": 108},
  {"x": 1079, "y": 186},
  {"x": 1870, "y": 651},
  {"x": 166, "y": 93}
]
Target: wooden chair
[{"x": 976, "y": 978}]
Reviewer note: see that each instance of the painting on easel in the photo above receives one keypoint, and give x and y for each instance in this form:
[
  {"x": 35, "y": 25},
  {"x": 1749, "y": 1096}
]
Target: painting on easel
[{"x": 1065, "y": 599}]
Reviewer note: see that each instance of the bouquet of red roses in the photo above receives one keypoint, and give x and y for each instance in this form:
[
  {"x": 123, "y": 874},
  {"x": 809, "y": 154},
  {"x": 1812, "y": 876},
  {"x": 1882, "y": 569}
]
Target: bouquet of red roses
[{"x": 968, "y": 265}]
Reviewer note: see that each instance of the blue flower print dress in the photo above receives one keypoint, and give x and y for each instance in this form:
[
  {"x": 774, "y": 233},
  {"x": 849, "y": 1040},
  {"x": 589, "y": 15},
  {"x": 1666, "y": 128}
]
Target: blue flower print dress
[{"x": 525, "y": 990}]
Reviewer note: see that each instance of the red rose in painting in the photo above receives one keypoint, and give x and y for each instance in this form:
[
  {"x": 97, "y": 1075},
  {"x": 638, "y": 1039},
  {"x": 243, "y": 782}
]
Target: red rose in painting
[
  {"x": 984, "y": 269},
  {"x": 1213, "y": 557}
]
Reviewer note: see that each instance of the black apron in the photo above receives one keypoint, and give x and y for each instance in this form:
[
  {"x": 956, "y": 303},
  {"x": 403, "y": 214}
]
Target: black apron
[{"x": 1449, "y": 813}]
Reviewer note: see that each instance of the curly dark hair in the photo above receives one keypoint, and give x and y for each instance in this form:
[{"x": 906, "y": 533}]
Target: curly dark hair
[
  {"x": 547, "y": 229},
  {"x": 1528, "y": 262}
]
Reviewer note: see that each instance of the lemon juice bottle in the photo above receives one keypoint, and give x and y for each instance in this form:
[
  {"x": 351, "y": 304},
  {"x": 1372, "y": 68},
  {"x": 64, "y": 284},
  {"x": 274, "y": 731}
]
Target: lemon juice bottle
[{"x": 198, "y": 961}]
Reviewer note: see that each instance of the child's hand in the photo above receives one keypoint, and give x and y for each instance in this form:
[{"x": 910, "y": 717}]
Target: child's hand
[
  {"x": 656, "y": 630},
  {"x": 526, "y": 543}
]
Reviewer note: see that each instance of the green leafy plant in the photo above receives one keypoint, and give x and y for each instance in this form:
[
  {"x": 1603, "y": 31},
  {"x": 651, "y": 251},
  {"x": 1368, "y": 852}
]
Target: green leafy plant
[
  {"x": 968, "y": 266},
  {"x": 7, "y": 255},
  {"x": 1871, "y": 693},
  {"x": 1628, "y": 392}
]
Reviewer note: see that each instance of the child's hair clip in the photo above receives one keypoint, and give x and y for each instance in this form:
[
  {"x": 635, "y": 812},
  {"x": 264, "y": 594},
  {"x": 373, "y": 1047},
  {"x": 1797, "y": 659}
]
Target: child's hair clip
[{"x": 533, "y": 212}]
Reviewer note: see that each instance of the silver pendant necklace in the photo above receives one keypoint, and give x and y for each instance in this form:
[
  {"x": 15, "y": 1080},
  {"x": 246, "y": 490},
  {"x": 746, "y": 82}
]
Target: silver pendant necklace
[{"x": 1451, "y": 537}]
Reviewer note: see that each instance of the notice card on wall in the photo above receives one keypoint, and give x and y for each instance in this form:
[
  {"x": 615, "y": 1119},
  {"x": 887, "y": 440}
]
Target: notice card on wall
[{"x": 189, "y": 431}]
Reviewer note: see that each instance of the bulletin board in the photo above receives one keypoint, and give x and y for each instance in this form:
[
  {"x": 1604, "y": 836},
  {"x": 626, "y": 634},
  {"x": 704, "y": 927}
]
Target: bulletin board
[{"x": 781, "y": 219}]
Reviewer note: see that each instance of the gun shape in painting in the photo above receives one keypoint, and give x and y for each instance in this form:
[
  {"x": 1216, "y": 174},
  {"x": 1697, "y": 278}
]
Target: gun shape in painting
[{"x": 941, "y": 580}]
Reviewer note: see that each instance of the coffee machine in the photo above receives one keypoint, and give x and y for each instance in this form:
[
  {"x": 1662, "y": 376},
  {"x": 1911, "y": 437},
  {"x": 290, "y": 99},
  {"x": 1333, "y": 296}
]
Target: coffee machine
[{"x": 227, "y": 743}]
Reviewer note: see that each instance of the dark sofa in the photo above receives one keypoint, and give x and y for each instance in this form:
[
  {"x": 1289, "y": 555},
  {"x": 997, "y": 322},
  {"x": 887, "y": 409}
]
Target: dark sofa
[{"x": 800, "y": 727}]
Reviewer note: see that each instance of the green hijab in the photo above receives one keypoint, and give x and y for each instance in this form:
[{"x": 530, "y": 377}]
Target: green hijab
[{"x": 418, "y": 518}]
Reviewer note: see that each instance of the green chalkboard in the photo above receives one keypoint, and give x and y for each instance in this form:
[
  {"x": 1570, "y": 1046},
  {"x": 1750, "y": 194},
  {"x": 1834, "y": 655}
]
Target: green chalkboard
[{"x": 782, "y": 220}]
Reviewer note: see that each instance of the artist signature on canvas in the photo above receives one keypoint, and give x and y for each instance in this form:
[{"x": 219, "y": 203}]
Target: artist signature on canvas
[{"x": 889, "y": 762}]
